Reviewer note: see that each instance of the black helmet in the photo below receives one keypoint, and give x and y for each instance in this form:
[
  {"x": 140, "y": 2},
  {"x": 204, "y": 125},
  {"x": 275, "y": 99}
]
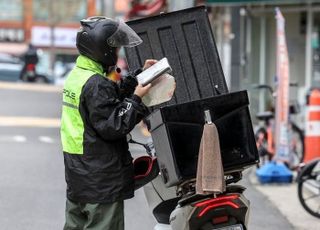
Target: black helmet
[{"x": 99, "y": 37}]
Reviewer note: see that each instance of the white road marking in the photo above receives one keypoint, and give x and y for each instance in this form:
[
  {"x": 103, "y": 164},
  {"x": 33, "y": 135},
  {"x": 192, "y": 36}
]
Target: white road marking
[
  {"x": 46, "y": 139},
  {"x": 20, "y": 138},
  {"x": 23, "y": 139},
  {"x": 16, "y": 138},
  {"x": 29, "y": 122}
]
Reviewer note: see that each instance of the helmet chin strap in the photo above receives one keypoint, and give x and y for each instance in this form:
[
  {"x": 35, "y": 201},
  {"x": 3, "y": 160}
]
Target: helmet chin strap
[{"x": 115, "y": 67}]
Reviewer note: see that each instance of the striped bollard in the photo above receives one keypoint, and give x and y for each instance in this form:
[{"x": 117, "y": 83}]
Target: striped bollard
[{"x": 312, "y": 134}]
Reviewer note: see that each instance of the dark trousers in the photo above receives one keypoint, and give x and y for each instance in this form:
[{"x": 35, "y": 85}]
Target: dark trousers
[{"x": 81, "y": 216}]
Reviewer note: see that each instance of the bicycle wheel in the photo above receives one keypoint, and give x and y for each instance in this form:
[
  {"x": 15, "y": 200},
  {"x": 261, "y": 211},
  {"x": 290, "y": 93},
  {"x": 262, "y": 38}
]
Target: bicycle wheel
[
  {"x": 296, "y": 144},
  {"x": 309, "y": 188}
]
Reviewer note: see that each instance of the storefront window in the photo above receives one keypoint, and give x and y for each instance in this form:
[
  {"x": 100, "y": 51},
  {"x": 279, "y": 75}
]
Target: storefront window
[
  {"x": 11, "y": 11},
  {"x": 59, "y": 10}
]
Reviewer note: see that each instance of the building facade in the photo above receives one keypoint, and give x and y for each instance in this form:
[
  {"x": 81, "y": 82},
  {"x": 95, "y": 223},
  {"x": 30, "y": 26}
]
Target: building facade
[
  {"x": 245, "y": 33},
  {"x": 50, "y": 26},
  {"x": 25, "y": 21}
]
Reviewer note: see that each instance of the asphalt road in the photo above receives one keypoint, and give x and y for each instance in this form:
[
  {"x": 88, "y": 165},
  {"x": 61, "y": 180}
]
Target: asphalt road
[{"x": 32, "y": 186}]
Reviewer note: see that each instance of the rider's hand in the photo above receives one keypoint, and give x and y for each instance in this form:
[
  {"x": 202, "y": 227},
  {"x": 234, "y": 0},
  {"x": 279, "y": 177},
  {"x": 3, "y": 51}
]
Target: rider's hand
[
  {"x": 142, "y": 90},
  {"x": 148, "y": 63}
]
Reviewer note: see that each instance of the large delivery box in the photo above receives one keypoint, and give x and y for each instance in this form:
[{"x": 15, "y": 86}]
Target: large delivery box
[{"x": 186, "y": 39}]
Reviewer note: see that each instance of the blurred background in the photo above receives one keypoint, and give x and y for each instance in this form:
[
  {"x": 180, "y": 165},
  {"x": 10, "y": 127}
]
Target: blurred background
[
  {"x": 37, "y": 51},
  {"x": 244, "y": 31}
]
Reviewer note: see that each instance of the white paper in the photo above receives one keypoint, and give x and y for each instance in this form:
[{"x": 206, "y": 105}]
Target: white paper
[{"x": 161, "y": 91}]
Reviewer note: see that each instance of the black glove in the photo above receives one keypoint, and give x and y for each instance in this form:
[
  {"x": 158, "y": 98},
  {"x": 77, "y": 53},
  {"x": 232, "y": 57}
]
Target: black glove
[{"x": 128, "y": 84}]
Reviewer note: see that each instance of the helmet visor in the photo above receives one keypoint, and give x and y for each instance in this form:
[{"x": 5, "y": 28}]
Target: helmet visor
[{"x": 124, "y": 36}]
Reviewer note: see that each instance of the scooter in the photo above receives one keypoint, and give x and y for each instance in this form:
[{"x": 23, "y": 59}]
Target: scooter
[
  {"x": 30, "y": 75},
  {"x": 180, "y": 208}
]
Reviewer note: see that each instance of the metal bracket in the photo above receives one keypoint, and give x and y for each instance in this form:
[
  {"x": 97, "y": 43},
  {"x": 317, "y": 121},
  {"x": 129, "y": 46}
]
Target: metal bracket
[{"x": 207, "y": 117}]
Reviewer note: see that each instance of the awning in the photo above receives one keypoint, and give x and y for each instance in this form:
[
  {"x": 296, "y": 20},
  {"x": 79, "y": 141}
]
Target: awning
[{"x": 254, "y": 2}]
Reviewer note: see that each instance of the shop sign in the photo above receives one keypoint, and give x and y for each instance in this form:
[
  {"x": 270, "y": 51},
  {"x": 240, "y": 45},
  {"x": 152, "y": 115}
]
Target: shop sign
[
  {"x": 11, "y": 35},
  {"x": 63, "y": 37}
]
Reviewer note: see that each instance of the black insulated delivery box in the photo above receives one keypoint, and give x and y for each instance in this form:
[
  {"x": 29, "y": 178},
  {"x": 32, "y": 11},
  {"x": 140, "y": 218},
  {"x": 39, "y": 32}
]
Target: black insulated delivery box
[
  {"x": 186, "y": 39},
  {"x": 177, "y": 131}
]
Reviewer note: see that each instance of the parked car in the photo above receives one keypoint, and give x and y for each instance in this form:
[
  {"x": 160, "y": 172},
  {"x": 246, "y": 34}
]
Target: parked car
[{"x": 10, "y": 67}]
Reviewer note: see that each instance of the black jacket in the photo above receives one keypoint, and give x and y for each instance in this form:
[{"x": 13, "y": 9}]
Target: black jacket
[{"x": 104, "y": 173}]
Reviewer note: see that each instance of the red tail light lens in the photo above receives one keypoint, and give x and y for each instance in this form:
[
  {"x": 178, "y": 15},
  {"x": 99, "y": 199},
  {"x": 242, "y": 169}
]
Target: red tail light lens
[{"x": 207, "y": 205}]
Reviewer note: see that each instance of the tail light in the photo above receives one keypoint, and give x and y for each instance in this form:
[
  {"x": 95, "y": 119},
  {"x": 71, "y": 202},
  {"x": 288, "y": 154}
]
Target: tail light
[
  {"x": 220, "y": 219},
  {"x": 206, "y": 206}
]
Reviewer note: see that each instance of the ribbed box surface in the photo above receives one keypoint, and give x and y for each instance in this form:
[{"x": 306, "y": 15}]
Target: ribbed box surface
[{"x": 186, "y": 39}]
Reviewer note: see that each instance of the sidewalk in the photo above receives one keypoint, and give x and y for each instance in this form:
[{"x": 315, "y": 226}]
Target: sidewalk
[{"x": 285, "y": 198}]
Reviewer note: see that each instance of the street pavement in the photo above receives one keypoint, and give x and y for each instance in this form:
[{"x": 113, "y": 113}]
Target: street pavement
[
  {"x": 264, "y": 215},
  {"x": 285, "y": 198},
  {"x": 32, "y": 186}
]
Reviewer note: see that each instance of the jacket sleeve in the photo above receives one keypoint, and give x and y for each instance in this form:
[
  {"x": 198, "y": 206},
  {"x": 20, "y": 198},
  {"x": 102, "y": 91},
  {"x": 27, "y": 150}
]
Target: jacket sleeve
[{"x": 111, "y": 118}]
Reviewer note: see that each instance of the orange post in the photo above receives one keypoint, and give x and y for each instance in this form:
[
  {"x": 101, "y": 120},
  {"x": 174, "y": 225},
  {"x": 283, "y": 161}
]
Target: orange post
[
  {"x": 91, "y": 8},
  {"x": 312, "y": 136},
  {"x": 27, "y": 19}
]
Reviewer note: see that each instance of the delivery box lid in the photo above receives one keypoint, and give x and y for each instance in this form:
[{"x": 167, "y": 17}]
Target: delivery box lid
[{"x": 185, "y": 38}]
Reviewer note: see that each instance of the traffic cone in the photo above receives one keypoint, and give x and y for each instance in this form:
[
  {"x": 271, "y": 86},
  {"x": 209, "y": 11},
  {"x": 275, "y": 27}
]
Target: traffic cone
[{"x": 312, "y": 135}]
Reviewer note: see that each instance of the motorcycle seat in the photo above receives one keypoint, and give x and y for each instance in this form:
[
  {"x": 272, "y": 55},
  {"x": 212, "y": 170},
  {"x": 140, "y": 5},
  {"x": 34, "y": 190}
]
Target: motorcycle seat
[{"x": 163, "y": 210}]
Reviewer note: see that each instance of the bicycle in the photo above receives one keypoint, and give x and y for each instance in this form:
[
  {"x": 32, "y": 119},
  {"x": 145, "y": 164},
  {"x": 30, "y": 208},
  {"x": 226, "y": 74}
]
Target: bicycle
[
  {"x": 309, "y": 187},
  {"x": 265, "y": 134}
]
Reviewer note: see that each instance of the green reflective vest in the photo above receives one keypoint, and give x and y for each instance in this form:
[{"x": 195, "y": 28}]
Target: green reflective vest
[{"x": 72, "y": 127}]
